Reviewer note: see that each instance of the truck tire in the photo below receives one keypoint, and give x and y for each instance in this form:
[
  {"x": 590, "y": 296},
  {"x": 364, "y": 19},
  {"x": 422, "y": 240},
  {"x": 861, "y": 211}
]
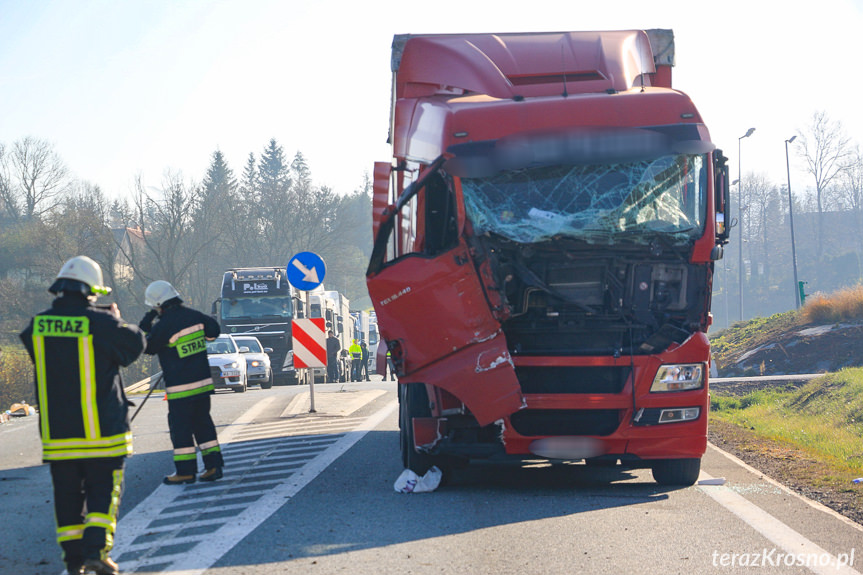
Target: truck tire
[
  {"x": 676, "y": 471},
  {"x": 413, "y": 402}
]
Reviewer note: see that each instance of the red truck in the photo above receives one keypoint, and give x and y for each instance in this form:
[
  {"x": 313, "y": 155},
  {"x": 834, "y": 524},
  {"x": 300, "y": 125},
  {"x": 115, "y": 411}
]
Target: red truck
[{"x": 545, "y": 238}]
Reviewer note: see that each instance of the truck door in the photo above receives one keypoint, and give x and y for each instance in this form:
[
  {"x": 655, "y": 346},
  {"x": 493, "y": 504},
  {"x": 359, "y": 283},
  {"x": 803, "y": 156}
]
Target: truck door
[{"x": 432, "y": 310}]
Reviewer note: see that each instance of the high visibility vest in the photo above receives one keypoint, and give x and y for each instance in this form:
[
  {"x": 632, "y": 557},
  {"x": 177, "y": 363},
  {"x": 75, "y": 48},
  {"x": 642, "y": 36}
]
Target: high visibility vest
[{"x": 356, "y": 351}]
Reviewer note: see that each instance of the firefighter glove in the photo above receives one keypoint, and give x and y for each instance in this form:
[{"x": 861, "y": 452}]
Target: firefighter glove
[{"x": 146, "y": 323}]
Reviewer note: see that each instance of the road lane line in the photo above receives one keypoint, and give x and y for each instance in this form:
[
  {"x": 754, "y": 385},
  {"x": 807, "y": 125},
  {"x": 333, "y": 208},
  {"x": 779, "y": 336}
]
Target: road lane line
[
  {"x": 210, "y": 550},
  {"x": 152, "y": 537},
  {"x": 780, "y": 534},
  {"x": 814, "y": 504}
]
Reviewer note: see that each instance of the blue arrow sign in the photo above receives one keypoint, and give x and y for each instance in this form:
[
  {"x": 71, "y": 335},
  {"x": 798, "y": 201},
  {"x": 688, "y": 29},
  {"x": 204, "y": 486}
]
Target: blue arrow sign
[{"x": 306, "y": 271}]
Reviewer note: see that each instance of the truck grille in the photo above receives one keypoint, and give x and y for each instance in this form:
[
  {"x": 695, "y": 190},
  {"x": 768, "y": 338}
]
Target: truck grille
[
  {"x": 572, "y": 379},
  {"x": 539, "y": 422}
]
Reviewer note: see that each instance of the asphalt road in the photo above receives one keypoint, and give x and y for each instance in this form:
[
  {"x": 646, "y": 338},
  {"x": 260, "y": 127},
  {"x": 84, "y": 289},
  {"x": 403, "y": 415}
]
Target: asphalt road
[{"x": 313, "y": 493}]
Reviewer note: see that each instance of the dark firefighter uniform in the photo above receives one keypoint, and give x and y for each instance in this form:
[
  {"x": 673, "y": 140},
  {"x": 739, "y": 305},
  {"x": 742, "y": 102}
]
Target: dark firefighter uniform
[
  {"x": 179, "y": 338},
  {"x": 77, "y": 349},
  {"x": 333, "y": 348}
]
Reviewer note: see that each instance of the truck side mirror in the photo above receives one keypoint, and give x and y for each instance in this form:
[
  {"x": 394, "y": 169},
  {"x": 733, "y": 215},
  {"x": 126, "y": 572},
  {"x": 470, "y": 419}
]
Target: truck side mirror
[{"x": 721, "y": 198}]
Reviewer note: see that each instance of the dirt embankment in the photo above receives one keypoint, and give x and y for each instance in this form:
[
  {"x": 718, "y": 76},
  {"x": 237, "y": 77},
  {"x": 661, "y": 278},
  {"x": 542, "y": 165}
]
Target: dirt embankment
[{"x": 811, "y": 348}]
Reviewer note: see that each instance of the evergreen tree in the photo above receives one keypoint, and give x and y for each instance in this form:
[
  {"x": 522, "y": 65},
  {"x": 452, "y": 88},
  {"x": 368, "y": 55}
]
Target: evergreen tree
[
  {"x": 277, "y": 215},
  {"x": 219, "y": 207},
  {"x": 249, "y": 184}
]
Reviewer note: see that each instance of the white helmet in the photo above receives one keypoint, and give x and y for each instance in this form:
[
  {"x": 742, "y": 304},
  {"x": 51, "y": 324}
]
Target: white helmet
[
  {"x": 84, "y": 270},
  {"x": 159, "y": 292}
]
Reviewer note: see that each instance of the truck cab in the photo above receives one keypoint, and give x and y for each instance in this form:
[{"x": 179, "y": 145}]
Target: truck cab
[{"x": 545, "y": 236}]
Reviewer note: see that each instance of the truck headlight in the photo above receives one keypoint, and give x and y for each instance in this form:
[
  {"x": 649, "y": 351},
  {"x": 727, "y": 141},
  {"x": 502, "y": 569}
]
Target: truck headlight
[{"x": 678, "y": 377}]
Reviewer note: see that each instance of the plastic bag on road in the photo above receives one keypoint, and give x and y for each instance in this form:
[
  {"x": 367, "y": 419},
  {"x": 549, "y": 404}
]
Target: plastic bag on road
[{"x": 410, "y": 482}]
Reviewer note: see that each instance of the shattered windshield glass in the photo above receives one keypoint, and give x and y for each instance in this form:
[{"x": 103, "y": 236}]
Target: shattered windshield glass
[{"x": 593, "y": 203}]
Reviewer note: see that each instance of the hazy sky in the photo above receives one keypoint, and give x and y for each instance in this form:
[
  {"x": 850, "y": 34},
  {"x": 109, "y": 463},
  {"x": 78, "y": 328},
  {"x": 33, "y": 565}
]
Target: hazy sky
[{"x": 128, "y": 87}]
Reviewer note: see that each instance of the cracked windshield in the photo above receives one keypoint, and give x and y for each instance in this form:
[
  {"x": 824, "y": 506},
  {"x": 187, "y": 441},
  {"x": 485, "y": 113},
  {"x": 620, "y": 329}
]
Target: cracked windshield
[{"x": 593, "y": 203}]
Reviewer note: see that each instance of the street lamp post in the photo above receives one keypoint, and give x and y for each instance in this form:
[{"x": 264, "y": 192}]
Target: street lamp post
[
  {"x": 791, "y": 221},
  {"x": 740, "y": 220},
  {"x": 725, "y": 273}
]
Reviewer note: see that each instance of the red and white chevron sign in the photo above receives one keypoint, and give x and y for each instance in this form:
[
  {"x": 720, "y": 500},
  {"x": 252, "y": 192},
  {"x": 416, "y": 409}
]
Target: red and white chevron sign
[{"x": 310, "y": 342}]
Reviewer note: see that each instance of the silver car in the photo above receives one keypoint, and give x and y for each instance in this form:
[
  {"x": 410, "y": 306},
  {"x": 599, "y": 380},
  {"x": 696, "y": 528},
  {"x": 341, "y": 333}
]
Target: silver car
[
  {"x": 258, "y": 369},
  {"x": 227, "y": 366}
]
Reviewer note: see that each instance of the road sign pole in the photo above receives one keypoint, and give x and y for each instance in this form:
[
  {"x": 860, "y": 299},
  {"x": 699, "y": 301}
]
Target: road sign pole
[
  {"x": 312, "y": 409},
  {"x": 306, "y": 271}
]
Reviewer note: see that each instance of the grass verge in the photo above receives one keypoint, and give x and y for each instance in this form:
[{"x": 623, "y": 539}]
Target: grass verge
[{"x": 821, "y": 422}]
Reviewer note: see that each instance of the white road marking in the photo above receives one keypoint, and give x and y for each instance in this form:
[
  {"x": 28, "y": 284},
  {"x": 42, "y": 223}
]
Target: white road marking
[
  {"x": 185, "y": 530},
  {"x": 810, "y": 502},
  {"x": 792, "y": 542}
]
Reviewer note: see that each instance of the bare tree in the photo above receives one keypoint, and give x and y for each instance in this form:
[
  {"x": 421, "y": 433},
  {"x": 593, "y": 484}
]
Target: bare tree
[
  {"x": 37, "y": 177},
  {"x": 850, "y": 197},
  {"x": 164, "y": 220},
  {"x": 826, "y": 149},
  {"x": 850, "y": 186},
  {"x": 8, "y": 203},
  {"x": 763, "y": 218}
]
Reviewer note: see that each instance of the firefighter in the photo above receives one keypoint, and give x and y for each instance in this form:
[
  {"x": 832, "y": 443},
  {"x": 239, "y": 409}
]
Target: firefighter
[
  {"x": 77, "y": 348},
  {"x": 356, "y": 359},
  {"x": 178, "y": 337}
]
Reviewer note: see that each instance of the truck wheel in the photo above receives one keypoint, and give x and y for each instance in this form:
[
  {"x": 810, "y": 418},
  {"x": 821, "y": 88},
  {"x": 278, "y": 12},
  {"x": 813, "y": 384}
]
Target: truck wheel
[
  {"x": 676, "y": 471},
  {"x": 413, "y": 402}
]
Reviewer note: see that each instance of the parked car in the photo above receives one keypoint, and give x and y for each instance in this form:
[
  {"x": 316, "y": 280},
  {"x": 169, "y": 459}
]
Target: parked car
[
  {"x": 227, "y": 365},
  {"x": 258, "y": 369}
]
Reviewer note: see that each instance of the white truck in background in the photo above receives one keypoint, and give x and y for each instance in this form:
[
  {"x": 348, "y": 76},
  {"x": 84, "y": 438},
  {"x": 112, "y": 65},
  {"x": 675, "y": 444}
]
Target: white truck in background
[
  {"x": 334, "y": 307},
  {"x": 374, "y": 340}
]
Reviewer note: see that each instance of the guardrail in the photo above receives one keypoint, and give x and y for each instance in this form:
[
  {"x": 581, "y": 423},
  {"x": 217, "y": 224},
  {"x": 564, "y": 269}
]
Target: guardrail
[{"x": 146, "y": 384}]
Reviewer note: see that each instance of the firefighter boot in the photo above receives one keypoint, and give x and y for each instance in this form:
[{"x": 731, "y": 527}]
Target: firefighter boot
[
  {"x": 212, "y": 474},
  {"x": 178, "y": 479},
  {"x": 105, "y": 566},
  {"x": 75, "y": 567}
]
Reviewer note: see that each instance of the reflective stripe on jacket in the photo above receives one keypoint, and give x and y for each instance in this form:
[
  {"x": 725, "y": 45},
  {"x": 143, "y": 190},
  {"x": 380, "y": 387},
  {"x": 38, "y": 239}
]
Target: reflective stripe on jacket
[
  {"x": 77, "y": 350},
  {"x": 179, "y": 338}
]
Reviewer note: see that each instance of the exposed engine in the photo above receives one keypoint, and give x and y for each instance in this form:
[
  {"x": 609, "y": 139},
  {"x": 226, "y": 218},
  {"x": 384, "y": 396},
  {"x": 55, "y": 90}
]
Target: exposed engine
[{"x": 628, "y": 300}]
